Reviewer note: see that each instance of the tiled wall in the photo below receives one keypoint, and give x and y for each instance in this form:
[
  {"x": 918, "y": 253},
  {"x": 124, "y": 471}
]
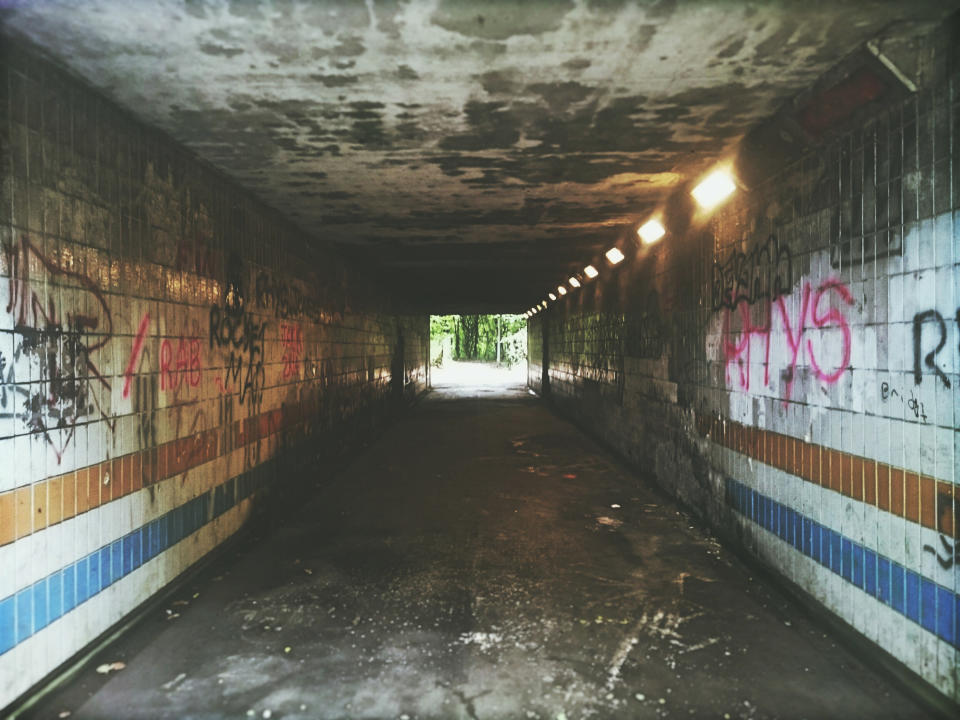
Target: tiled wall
[
  {"x": 790, "y": 368},
  {"x": 166, "y": 343}
]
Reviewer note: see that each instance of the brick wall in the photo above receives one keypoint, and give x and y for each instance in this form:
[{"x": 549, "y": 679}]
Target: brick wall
[
  {"x": 790, "y": 368},
  {"x": 166, "y": 344}
]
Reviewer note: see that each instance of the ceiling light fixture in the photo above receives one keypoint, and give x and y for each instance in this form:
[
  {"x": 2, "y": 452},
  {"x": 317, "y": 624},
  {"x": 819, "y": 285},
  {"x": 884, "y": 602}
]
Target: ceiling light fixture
[
  {"x": 561, "y": 289},
  {"x": 651, "y": 231},
  {"x": 714, "y": 189},
  {"x": 590, "y": 271},
  {"x": 614, "y": 255},
  {"x": 551, "y": 296},
  {"x": 544, "y": 304},
  {"x": 574, "y": 283}
]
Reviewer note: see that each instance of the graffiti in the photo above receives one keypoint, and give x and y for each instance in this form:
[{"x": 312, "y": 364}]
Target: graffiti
[
  {"x": 291, "y": 338},
  {"x": 918, "y": 321},
  {"x": 195, "y": 255},
  {"x": 63, "y": 348},
  {"x": 948, "y": 554},
  {"x": 135, "y": 354},
  {"x": 145, "y": 403},
  {"x": 285, "y": 302},
  {"x": 240, "y": 335},
  {"x": 645, "y": 330},
  {"x": 739, "y": 352},
  {"x": 912, "y": 403},
  {"x": 225, "y": 419},
  {"x": 9, "y": 389},
  {"x": 763, "y": 273},
  {"x": 181, "y": 365}
]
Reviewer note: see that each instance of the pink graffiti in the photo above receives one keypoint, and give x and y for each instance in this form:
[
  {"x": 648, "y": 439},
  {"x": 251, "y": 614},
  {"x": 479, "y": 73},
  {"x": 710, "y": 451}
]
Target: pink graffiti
[
  {"x": 182, "y": 366},
  {"x": 292, "y": 340},
  {"x": 739, "y": 351},
  {"x": 135, "y": 353}
]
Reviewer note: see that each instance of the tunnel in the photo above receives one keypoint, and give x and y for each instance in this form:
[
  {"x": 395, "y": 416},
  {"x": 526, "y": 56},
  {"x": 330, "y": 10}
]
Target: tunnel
[{"x": 721, "y": 481}]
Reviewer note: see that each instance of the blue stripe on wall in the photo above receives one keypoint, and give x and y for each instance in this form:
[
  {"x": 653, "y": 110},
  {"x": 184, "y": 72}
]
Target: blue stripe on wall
[
  {"x": 933, "y": 607},
  {"x": 31, "y": 609}
]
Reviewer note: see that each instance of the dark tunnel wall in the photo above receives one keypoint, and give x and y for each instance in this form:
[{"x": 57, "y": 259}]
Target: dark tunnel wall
[
  {"x": 170, "y": 350},
  {"x": 789, "y": 369}
]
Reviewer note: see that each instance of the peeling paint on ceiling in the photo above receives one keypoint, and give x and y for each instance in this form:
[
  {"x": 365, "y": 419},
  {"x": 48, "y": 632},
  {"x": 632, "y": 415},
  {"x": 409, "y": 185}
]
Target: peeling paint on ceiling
[{"x": 452, "y": 136}]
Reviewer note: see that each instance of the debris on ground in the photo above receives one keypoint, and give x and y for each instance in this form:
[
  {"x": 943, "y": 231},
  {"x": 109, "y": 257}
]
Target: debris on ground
[
  {"x": 173, "y": 683},
  {"x": 609, "y": 521},
  {"x": 107, "y": 668}
]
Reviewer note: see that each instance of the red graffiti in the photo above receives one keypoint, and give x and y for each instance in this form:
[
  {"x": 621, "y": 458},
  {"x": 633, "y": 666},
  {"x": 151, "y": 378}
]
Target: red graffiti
[
  {"x": 739, "y": 351},
  {"x": 292, "y": 340},
  {"x": 135, "y": 353},
  {"x": 836, "y": 318},
  {"x": 194, "y": 254},
  {"x": 180, "y": 366}
]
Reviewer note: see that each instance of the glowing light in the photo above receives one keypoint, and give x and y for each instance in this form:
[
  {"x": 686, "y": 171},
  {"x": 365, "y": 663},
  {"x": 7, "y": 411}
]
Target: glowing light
[
  {"x": 590, "y": 271},
  {"x": 714, "y": 189},
  {"x": 561, "y": 289},
  {"x": 543, "y": 304},
  {"x": 614, "y": 255},
  {"x": 651, "y": 232},
  {"x": 574, "y": 283},
  {"x": 551, "y": 296}
]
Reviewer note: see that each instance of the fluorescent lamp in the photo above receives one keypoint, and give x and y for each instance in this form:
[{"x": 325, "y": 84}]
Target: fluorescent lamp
[
  {"x": 651, "y": 232},
  {"x": 551, "y": 296},
  {"x": 590, "y": 271},
  {"x": 714, "y": 189},
  {"x": 561, "y": 289},
  {"x": 574, "y": 283},
  {"x": 614, "y": 255}
]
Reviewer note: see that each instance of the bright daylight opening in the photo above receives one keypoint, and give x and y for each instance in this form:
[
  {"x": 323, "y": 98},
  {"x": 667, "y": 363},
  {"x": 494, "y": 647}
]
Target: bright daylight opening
[{"x": 478, "y": 353}]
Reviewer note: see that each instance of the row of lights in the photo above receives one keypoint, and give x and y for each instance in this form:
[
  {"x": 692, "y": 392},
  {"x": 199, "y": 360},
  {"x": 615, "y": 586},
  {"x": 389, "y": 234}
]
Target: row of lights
[{"x": 709, "y": 193}]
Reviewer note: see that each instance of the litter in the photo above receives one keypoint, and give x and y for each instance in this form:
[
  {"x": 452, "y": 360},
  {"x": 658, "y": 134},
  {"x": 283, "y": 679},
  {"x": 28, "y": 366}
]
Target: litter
[
  {"x": 172, "y": 683},
  {"x": 110, "y": 667}
]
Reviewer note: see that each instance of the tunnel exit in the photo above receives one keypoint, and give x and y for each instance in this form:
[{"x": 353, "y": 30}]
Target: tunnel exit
[{"x": 478, "y": 351}]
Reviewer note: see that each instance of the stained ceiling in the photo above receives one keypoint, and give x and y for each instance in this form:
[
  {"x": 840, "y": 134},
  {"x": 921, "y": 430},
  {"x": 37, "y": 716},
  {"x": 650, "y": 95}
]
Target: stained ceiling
[{"x": 477, "y": 151}]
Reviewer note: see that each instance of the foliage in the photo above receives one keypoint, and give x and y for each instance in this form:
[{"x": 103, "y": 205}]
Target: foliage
[{"x": 474, "y": 337}]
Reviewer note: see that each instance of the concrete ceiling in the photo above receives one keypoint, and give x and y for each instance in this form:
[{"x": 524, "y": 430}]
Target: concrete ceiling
[{"x": 477, "y": 151}]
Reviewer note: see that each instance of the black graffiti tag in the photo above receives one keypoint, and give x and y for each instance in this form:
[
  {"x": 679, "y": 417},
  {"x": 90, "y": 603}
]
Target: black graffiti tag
[
  {"x": 241, "y": 336},
  {"x": 918, "y": 320},
  {"x": 764, "y": 272}
]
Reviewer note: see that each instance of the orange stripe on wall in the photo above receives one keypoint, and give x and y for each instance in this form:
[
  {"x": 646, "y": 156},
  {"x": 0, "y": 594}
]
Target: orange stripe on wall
[
  {"x": 32, "y": 508},
  {"x": 919, "y": 498}
]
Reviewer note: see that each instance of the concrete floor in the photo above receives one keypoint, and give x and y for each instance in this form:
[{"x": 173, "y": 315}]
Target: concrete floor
[{"x": 483, "y": 559}]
